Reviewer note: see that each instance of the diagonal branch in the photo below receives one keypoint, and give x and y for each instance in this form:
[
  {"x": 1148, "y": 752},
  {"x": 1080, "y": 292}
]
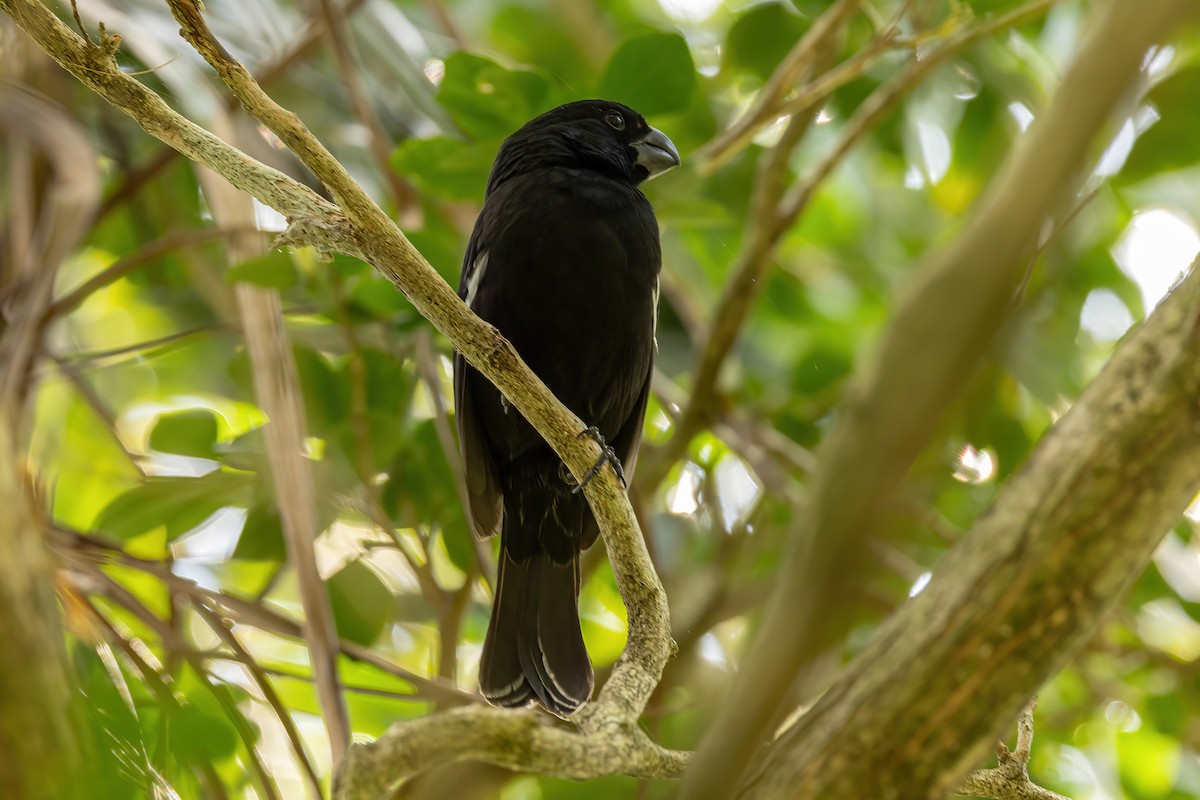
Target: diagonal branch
[
  {"x": 360, "y": 228},
  {"x": 1022, "y": 592},
  {"x": 801, "y": 59},
  {"x": 225, "y": 632},
  {"x": 377, "y": 238},
  {"x": 942, "y": 325}
]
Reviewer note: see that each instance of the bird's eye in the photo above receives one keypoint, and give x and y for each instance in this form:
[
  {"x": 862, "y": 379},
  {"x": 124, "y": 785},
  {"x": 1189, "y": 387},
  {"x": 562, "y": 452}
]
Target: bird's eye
[{"x": 615, "y": 121}]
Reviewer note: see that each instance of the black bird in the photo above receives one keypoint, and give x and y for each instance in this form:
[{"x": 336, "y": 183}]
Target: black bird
[{"x": 564, "y": 261}]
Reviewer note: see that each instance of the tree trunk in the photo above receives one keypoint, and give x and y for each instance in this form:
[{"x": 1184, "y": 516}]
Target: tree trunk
[{"x": 40, "y": 746}]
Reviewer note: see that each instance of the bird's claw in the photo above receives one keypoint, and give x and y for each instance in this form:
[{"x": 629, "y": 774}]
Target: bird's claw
[{"x": 607, "y": 455}]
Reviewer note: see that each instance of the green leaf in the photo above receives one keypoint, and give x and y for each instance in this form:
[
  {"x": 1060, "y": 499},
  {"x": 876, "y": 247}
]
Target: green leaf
[
  {"x": 262, "y": 536},
  {"x": 176, "y": 502},
  {"x": 200, "y": 727},
  {"x": 760, "y": 37},
  {"x": 458, "y": 547},
  {"x": 652, "y": 73},
  {"x": 377, "y": 296},
  {"x": 420, "y": 488},
  {"x": 186, "y": 433},
  {"x": 1149, "y": 762},
  {"x": 1170, "y": 143},
  {"x": 819, "y": 367},
  {"x": 532, "y": 36},
  {"x": 447, "y": 168},
  {"x": 326, "y": 393},
  {"x": 273, "y": 270},
  {"x": 362, "y": 605},
  {"x": 487, "y": 100}
]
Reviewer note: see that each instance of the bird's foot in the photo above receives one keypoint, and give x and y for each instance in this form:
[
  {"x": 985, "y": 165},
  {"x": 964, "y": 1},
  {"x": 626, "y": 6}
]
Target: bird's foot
[{"x": 607, "y": 455}]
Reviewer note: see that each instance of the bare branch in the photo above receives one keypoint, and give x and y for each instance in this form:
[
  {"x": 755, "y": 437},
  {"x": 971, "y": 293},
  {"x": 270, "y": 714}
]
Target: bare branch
[
  {"x": 87, "y": 553},
  {"x": 147, "y": 255},
  {"x": 522, "y": 740},
  {"x": 775, "y": 213},
  {"x": 277, "y": 390},
  {"x": 336, "y": 31},
  {"x": 800, "y": 60},
  {"x": 223, "y": 631},
  {"x": 1010, "y": 781}
]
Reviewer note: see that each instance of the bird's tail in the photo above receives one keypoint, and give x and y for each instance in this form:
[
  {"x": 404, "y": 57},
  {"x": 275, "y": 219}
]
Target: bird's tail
[{"x": 534, "y": 648}]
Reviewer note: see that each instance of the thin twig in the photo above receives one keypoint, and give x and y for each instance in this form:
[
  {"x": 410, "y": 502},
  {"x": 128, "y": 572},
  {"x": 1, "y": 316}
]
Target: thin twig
[
  {"x": 222, "y": 629},
  {"x": 771, "y": 222},
  {"x": 277, "y": 386},
  {"x": 364, "y": 110},
  {"x": 158, "y": 686},
  {"x": 91, "y": 551},
  {"x": 799, "y": 61},
  {"x": 427, "y": 365},
  {"x": 125, "y": 599},
  {"x": 148, "y": 255}
]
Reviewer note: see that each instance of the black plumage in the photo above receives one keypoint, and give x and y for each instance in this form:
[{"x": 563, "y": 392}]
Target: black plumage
[{"x": 564, "y": 261}]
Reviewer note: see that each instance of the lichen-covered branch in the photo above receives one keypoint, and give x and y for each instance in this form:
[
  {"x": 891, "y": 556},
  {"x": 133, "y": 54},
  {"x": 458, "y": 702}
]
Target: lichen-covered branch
[
  {"x": 1024, "y": 589},
  {"x": 358, "y": 227},
  {"x": 1010, "y": 780},
  {"x": 521, "y": 740}
]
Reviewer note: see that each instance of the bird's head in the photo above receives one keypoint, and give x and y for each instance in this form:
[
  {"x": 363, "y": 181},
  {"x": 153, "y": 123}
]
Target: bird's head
[{"x": 592, "y": 134}]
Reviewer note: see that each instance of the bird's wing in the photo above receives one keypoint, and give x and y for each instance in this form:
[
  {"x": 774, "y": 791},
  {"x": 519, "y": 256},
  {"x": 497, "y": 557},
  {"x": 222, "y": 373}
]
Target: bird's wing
[
  {"x": 625, "y": 444},
  {"x": 479, "y": 464}
]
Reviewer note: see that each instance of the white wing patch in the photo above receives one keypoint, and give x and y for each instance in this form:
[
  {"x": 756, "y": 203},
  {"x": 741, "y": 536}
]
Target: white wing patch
[
  {"x": 477, "y": 270},
  {"x": 657, "y": 284}
]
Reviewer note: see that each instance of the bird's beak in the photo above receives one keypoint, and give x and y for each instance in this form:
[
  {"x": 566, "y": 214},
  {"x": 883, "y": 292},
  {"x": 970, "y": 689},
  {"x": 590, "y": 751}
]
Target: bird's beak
[{"x": 656, "y": 153}]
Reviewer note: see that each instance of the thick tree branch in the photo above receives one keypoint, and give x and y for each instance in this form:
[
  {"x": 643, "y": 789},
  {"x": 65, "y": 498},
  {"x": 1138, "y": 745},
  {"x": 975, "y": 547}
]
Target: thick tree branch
[
  {"x": 1011, "y": 602},
  {"x": 520, "y": 740},
  {"x": 941, "y": 327},
  {"x": 42, "y": 753}
]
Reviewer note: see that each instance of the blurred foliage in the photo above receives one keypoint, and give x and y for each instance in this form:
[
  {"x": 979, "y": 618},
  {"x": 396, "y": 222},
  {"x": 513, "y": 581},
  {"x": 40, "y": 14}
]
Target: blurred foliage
[{"x": 147, "y": 436}]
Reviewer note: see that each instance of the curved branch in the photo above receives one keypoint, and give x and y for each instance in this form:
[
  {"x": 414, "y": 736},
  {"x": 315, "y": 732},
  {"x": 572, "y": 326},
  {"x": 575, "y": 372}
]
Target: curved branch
[
  {"x": 386, "y": 248},
  {"x": 357, "y": 226},
  {"x": 520, "y": 740}
]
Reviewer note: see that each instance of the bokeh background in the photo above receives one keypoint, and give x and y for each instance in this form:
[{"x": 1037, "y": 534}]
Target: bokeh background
[{"x": 147, "y": 445}]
